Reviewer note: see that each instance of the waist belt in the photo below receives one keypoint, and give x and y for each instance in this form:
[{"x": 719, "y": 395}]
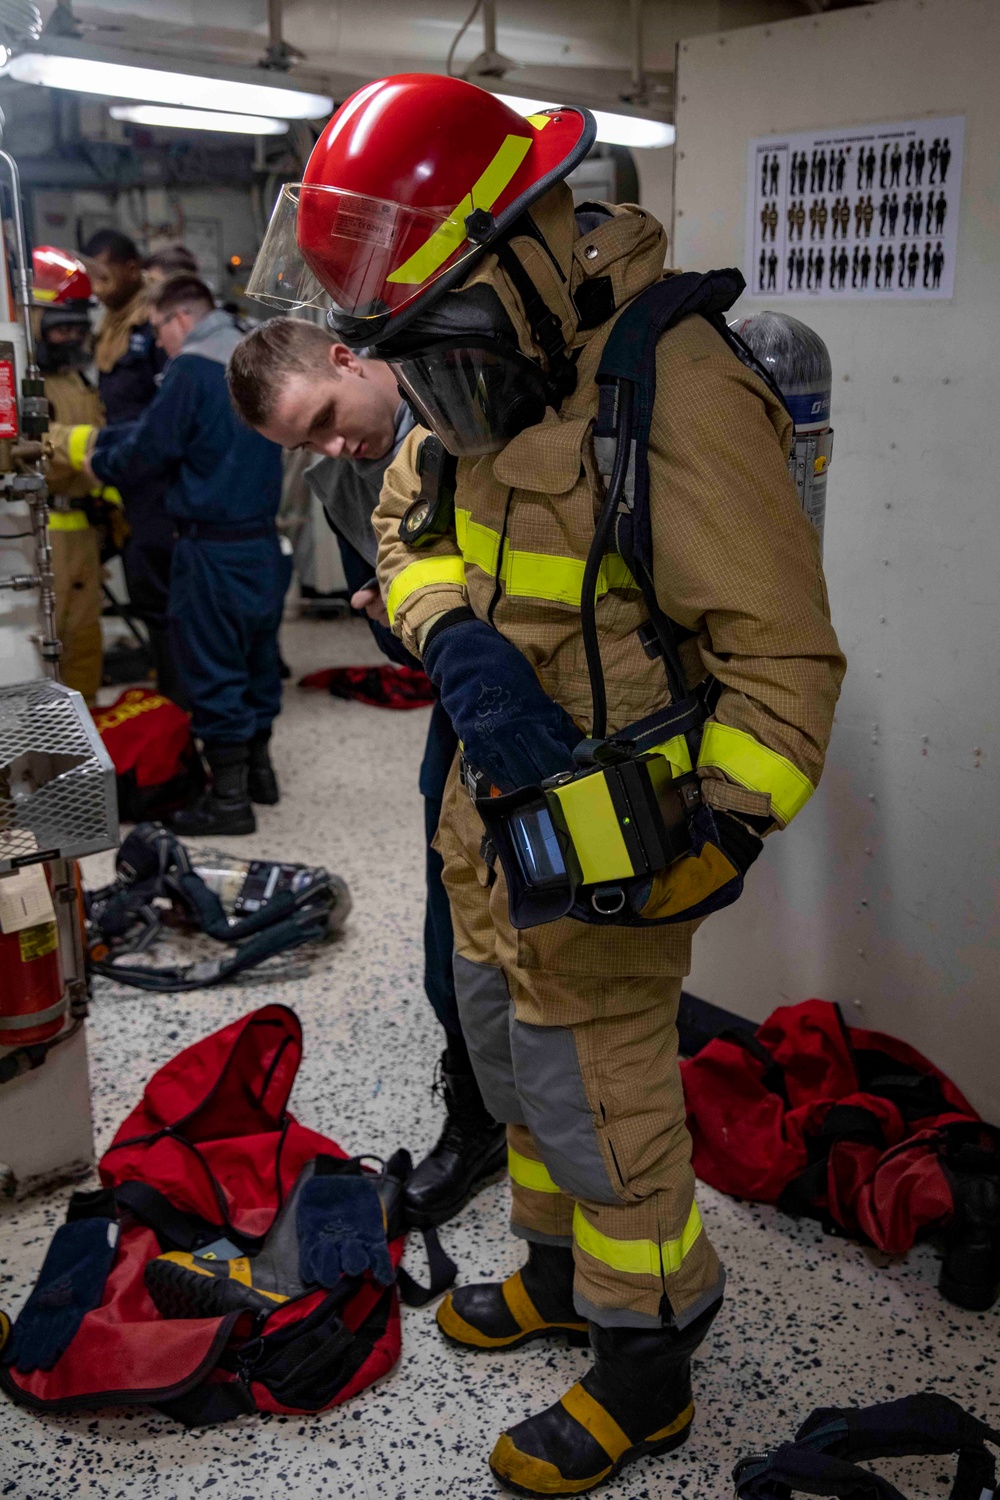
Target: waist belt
[{"x": 204, "y": 531}]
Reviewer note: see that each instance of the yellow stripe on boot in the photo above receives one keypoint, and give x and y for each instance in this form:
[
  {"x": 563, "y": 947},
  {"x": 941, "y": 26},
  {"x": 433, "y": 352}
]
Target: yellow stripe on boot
[{"x": 467, "y": 1315}]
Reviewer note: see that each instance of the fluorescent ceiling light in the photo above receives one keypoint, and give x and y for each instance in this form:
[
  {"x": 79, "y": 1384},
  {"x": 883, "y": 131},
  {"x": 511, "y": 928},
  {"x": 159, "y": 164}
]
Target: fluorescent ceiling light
[
  {"x": 197, "y": 119},
  {"x": 614, "y": 130},
  {"x": 127, "y": 81}
]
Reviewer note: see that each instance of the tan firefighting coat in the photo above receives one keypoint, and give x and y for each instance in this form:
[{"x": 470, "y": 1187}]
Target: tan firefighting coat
[{"x": 735, "y": 560}]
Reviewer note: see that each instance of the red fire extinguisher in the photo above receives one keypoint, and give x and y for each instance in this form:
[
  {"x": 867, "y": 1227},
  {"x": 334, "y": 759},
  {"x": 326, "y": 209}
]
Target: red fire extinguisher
[{"x": 32, "y": 1001}]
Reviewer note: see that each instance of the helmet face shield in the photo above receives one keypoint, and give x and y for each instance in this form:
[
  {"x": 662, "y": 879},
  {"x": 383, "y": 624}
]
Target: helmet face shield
[
  {"x": 475, "y": 394},
  {"x": 361, "y": 258}
]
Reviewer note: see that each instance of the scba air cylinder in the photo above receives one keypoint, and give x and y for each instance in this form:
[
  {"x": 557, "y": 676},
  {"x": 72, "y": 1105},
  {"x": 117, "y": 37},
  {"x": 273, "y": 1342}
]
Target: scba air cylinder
[{"x": 798, "y": 361}]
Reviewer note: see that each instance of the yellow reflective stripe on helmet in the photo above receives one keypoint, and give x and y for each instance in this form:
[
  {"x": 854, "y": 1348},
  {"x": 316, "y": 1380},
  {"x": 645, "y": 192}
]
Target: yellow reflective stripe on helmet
[
  {"x": 529, "y": 1174},
  {"x": 68, "y": 520},
  {"x": 637, "y": 1257},
  {"x": 422, "y": 575},
  {"x": 76, "y": 446},
  {"x": 43, "y": 294},
  {"x": 594, "y": 829},
  {"x": 753, "y": 765},
  {"x": 480, "y": 544},
  {"x": 445, "y": 240},
  {"x": 539, "y": 121},
  {"x": 677, "y": 752}
]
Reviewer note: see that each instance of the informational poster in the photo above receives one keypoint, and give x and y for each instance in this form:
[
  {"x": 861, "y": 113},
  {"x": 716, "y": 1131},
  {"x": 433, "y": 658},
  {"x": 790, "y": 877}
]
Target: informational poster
[{"x": 859, "y": 212}]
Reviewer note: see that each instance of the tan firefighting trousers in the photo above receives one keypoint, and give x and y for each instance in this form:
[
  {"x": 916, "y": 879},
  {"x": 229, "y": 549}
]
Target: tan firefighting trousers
[
  {"x": 574, "y": 1042},
  {"x": 76, "y": 569}
]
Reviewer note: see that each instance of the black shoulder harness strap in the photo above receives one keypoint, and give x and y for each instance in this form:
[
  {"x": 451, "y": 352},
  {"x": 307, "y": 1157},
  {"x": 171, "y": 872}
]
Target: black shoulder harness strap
[
  {"x": 626, "y": 380},
  {"x": 828, "y": 1448}
]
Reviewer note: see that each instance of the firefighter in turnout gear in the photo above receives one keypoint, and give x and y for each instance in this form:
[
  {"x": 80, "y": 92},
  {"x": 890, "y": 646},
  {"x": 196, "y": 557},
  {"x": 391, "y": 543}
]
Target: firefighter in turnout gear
[{"x": 495, "y": 315}]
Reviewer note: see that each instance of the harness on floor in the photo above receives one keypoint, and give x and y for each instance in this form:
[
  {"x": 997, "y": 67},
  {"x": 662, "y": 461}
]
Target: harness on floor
[
  {"x": 830, "y": 1445},
  {"x": 578, "y": 843},
  {"x": 199, "y": 1175},
  {"x": 261, "y": 907}
]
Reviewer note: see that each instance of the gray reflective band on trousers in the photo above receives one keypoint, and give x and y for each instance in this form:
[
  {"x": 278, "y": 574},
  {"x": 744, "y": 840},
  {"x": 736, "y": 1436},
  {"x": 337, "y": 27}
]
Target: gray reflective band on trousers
[
  {"x": 621, "y": 1317},
  {"x": 554, "y": 1100},
  {"x": 484, "y": 1006}
]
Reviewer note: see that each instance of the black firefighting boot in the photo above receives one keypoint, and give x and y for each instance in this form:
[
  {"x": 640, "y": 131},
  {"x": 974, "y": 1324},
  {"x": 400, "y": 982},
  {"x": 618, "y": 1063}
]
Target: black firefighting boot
[
  {"x": 471, "y": 1151},
  {"x": 970, "y": 1271},
  {"x": 534, "y": 1303},
  {"x": 226, "y": 806},
  {"x": 261, "y": 781},
  {"x": 634, "y": 1400}
]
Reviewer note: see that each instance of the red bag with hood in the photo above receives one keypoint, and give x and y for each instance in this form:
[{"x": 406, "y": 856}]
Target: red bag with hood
[{"x": 211, "y": 1150}]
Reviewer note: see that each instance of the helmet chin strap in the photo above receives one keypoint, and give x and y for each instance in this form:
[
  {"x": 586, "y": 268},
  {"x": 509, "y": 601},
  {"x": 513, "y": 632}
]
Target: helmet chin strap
[{"x": 545, "y": 325}]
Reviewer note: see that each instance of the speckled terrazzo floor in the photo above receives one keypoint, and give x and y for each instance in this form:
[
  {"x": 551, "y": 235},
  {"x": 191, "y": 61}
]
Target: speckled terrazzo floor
[{"x": 809, "y": 1321}]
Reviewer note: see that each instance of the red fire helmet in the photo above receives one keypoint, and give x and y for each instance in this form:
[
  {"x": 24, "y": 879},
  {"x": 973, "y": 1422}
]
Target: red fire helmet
[
  {"x": 413, "y": 178},
  {"x": 59, "y": 278}
]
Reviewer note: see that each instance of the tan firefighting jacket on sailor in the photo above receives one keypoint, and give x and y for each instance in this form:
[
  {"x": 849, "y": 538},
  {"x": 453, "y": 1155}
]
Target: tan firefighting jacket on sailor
[
  {"x": 73, "y": 402},
  {"x": 735, "y": 560}
]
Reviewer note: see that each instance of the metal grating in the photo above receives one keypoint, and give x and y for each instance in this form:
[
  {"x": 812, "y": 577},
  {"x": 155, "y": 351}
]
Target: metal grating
[{"x": 57, "y": 782}]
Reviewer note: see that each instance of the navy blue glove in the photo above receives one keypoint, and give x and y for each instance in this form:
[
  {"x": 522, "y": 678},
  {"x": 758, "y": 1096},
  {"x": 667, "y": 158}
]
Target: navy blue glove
[
  {"x": 70, "y": 1285},
  {"x": 510, "y": 728},
  {"x": 341, "y": 1230}
]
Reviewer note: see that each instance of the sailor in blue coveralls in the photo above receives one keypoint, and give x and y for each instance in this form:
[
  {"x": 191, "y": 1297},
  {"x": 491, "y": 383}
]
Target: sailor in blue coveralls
[{"x": 229, "y": 574}]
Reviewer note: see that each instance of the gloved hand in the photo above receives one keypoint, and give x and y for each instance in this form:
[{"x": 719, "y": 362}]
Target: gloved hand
[
  {"x": 70, "y": 1285},
  {"x": 510, "y": 728},
  {"x": 341, "y": 1230},
  {"x": 710, "y": 877}
]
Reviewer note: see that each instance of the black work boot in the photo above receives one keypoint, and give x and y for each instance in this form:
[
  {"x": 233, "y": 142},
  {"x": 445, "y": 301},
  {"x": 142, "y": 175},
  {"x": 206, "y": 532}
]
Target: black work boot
[
  {"x": 534, "y": 1303},
  {"x": 262, "y": 782},
  {"x": 634, "y": 1400},
  {"x": 970, "y": 1271},
  {"x": 470, "y": 1154},
  {"x": 226, "y": 806}
]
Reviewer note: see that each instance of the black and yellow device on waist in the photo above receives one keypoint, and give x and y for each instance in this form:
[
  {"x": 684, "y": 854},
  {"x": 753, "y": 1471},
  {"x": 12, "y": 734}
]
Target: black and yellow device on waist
[
  {"x": 576, "y": 842},
  {"x": 432, "y": 514}
]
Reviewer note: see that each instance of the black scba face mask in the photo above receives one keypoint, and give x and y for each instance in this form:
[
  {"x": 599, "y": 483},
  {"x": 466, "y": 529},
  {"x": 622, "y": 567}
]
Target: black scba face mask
[{"x": 463, "y": 375}]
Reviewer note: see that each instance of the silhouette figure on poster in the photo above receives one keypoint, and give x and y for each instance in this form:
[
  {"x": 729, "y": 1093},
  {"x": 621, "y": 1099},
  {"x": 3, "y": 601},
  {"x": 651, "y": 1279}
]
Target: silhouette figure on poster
[
  {"x": 775, "y": 172},
  {"x": 937, "y": 264},
  {"x": 821, "y": 171},
  {"x": 890, "y": 265},
  {"x": 878, "y": 266},
  {"x": 813, "y": 169},
  {"x": 883, "y": 210},
  {"x": 918, "y": 211},
  {"x": 868, "y": 214},
  {"x": 861, "y": 168},
  {"x": 820, "y": 263},
  {"x": 833, "y": 268},
  {"x": 893, "y": 213},
  {"x": 800, "y": 266},
  {"x": 883, "y": 165},
  {"x": 763, "y": 173},
  {"x": 866, "y": 265},
  {"x": 895, "y": 164},
  {"x": 919, "y": 162},
  {"x": 772, "y": 270},
  {"x": 945, "y": 159},
  {"x": 803, "y": 172},
  {"x": 835, "y": 218},
  {"x": 822, "y": 215},
  {"x": 870, "y": 167},
  {"x": 800, "y": 219},
  {"x": 841, "y": 167},
  {"x": 761, "y": 268},
  {"x": 790, "y": 269},
  {"x": 911, "y": 152},
  {"x": 809, "y": 269},
  {"x": 859, "y": 209},
  {"x": 933, "y": 157},
  {"x": 912, "y": 264},
  {"x": 902, "y": 262},
  {"x": 790, "y": 219},
  {"x": 854, "y": 266},
  {"x": 940, "y": 210},
  {"x": 772, "y": 220},
  {"x": 813, "y": 218},
  {"x": 842, "y": 267},
  {"x": 927, "y": 261},
  {"x": 907, "y": 212}
]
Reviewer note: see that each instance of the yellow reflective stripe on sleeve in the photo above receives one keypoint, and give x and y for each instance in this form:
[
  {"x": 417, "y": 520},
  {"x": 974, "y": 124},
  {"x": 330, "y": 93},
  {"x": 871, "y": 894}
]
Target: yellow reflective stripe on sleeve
[
  {"x": 76, "y": 446},
  {"x": 529, "y": 1174},
  {"x": 480, "y": 544},
  {"x": 637, "y": 1257},
  {"x": 753, "y": 765},
  {"x": 110, "y": 494},
  {"x": 677, "y": 752},
  {"x": 446, "y": 239},
  {"x": 421, "y": 575},
  {"x": 68, "y": 520}
]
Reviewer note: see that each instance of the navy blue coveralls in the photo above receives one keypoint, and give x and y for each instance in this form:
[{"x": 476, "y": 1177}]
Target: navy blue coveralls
[
  {"x": 229, "y": 576},
  {"x": 342, "y": 484}
]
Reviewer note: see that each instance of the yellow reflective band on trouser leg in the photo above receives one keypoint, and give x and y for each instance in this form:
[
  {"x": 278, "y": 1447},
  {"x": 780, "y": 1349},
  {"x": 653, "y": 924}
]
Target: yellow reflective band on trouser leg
[
  {"x": 422, "y": 575},
  {"x": 533, "y": 1175},
  {"x": 76, "y": 444},
  {"x": 637, "y": 1257},
  {"x": 447, "y": 238},
  {"x": 67, "y": 520},
  {"x": 753, "y": 765}
]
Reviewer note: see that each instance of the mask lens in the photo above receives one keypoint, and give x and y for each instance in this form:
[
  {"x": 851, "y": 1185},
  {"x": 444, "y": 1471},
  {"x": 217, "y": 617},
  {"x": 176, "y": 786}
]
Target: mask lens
[{"x": 474, "y": 397}]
